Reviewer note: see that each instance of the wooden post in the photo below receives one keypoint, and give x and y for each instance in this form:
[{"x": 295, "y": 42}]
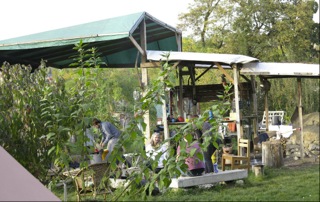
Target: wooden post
[
  {"x": 266, "y": 109},
  {"x": 164, "y": 120},
  {"x": 255, "y": 106},
  {"x": 236, "y": 98},
  {"x": 164, "y": 115},
  {"x": 272, "y": 155},
  {"x": 179, "y": 41},
  {"x": 300, "y": 117},
  {"x": 258, "y": 170},
  {"x": 180, "y": 91},
  {"x": 144, "y": 76}
]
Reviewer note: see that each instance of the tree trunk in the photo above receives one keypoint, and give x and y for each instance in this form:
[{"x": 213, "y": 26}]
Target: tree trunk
[{"x": 272, "y": 155}]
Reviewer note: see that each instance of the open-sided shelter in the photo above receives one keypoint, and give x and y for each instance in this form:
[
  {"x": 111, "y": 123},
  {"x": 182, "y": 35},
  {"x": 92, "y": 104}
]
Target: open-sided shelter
[
  {"x": 132, "y": 41},
  {"x": 121, "y": 41},
  {"x": 207, "y": 61},
  {"x": 270, "y": 70}
]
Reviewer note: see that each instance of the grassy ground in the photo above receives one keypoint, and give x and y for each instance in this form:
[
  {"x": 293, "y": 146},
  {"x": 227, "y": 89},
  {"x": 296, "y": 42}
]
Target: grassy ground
[{"x": 293, "y": 182}]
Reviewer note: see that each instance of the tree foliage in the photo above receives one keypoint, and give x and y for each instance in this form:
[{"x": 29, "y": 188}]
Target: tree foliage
[
  {"x": 35, "y": 117},
  {"x": 270, "y": 30}
]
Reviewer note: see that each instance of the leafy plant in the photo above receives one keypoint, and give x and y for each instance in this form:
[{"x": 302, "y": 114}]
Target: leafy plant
[{"x": 34, "y": 121}]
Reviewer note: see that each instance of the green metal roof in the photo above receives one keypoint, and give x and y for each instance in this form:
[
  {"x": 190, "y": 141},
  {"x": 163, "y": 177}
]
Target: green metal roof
[{"x": 110, "y": 36}]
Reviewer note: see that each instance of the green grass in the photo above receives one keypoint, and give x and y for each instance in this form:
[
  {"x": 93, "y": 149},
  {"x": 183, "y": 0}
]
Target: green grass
[{"x": 283, "y": 184}]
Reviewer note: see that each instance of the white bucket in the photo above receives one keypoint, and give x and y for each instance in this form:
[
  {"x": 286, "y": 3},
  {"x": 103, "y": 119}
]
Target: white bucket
[{"x": 95, "y": 158}]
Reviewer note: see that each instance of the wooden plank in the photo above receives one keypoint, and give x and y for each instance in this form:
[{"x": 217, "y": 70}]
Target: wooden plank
[
  {"x": 135, "y": 43},
  {"x": 225, "y": 72},
  {"x": 209, "y": 178},
  {"x": 206, "y": 93},
  {"x": 150, "y": 65}
]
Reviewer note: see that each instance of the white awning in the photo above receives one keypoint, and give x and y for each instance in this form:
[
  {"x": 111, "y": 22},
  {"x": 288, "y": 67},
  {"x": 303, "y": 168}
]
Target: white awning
[
  {"x": 281, "y": 69},
  {"x": 200, "y": 57}
]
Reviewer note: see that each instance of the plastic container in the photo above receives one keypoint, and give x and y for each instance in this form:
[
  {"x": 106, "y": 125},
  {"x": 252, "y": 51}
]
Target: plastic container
[
  {"x": 95, "y": 158},
  {"x": 215, "y": 168}
]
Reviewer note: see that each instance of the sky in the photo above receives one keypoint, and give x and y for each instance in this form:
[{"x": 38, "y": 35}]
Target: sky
[{"x": 24, "y": 17}]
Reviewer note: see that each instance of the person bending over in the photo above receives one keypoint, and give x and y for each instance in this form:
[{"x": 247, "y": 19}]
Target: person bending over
[{"x": 110, "y": 134}]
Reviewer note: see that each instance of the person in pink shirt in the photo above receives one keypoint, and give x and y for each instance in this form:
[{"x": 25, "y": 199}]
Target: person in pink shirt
[{"x": 195, "y": 165}]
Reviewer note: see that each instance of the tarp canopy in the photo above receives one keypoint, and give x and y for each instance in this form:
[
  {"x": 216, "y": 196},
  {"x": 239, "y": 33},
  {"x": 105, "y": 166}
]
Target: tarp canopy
[
  {"x": 17, "y": 184},
  {"x": 112, "y": 37},
  {"x": 281, "y": 70},
  {"x": 200, "y": 58}
]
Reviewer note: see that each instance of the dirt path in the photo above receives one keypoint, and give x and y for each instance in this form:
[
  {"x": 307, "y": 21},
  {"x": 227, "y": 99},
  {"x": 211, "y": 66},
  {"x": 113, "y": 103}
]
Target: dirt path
[{"x": 291, "y": 163}]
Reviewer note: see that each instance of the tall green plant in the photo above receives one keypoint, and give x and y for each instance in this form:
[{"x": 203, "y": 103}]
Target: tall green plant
[{"x": 34, "y": 117}]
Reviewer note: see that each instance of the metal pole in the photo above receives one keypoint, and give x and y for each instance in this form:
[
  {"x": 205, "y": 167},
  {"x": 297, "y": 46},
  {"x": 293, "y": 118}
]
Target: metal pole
[{"x": 65, "y": 191}]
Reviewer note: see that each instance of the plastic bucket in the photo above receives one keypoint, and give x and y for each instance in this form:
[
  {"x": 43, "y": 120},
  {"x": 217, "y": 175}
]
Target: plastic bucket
[{"x": 95, "y": 158}]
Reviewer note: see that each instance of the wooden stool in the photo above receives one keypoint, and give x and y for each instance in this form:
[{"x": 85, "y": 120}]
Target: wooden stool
[
  {"x": 236, "y": 162},
  {"x": 258, "y": 169}
]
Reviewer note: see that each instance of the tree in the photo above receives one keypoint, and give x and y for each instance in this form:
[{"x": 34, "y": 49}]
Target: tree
[
  {"x": 202, "y": 19},
  {"x": 270, "y": 30},
  {"x": 277, "y": 31}
]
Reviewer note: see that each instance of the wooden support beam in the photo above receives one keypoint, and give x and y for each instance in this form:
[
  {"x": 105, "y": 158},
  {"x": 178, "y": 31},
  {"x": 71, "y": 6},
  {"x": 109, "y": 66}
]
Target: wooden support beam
[
  {"x": 205, "y": 71},
  {"x": 266, "y": 109},
  {"x": 144, "y": 72},
  {"x": 255, "y": 105},
  {"x": 300, "y": 117},
  {"x": 236, "y": 98},
  {"x": 176, "y": 64},
  {"x": 178, "y": 40},
  {"x": 180, "y": 90},
  {"x": 135, "y": 43},
  {"x": 154, "y": 64},
  {"x": 225, "y": 73},
  {"x": 150, "y": 65}
]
